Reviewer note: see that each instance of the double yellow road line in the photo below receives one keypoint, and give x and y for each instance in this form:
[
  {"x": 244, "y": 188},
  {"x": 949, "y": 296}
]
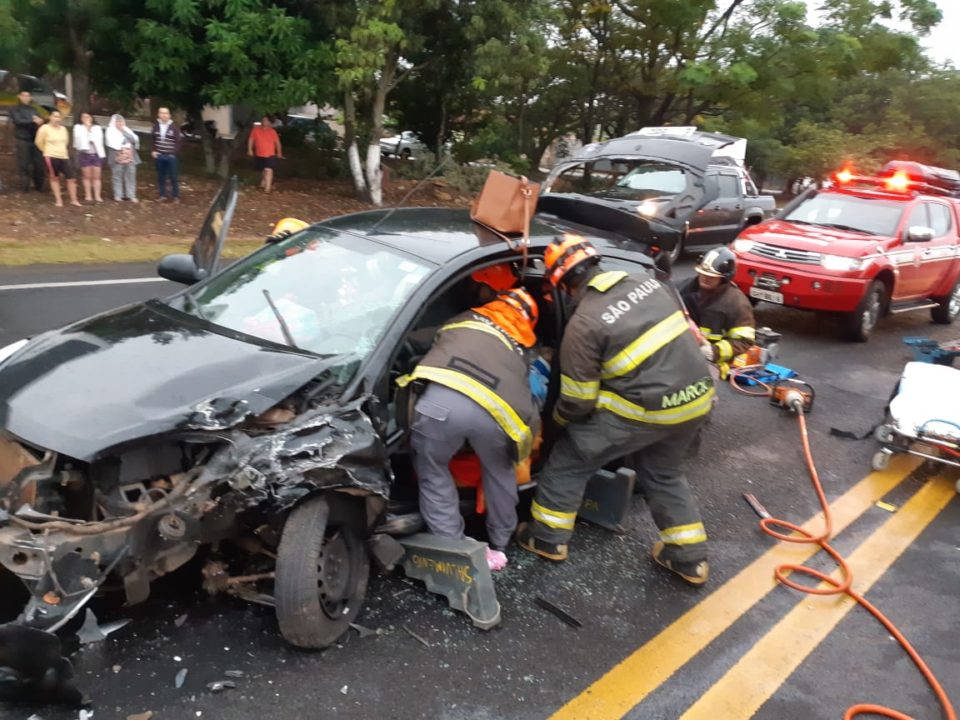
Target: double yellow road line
[{"x": 758, "y": 674}]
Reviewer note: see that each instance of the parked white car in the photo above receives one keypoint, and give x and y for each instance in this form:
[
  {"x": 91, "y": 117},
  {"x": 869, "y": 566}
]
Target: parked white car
[{"x": 405, "y": 145}]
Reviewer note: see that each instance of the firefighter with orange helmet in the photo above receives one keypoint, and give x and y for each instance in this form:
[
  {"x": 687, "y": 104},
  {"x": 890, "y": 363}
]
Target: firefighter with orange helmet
[
  {"x": 478, "y": 392},
  {"x": 633, "y": 385}
]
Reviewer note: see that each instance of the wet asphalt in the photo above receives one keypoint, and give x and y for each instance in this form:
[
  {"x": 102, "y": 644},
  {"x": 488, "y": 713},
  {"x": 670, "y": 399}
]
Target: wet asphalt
[{"x": 532, "y": 664}]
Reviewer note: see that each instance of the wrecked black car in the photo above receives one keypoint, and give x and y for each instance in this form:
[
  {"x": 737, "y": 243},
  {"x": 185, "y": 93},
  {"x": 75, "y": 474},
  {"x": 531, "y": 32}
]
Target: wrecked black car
[
  {"x": 255, "y": 412},
  {"x": 674, "y": 188}
]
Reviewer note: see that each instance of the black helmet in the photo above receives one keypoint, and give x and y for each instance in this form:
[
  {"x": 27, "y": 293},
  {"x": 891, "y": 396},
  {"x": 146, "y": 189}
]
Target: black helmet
[{"x": 718, "y": 262}]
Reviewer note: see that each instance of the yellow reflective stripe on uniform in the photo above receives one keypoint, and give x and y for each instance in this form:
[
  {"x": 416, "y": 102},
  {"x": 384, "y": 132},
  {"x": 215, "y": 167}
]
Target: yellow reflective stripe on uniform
[
  {"x": 684, "y": 534},
  {"x": 632, "y": 356},
  {"x": 579, "y": 390},
  {"x": 553, "y": 518},
  {"x": 559, "y": 419},
  {"x": 709, "y": 334},
  {"x": 474, "y": 325},
  {"x": 744, "y": 332},
  {"x": 605, "y": 281},
  {"x": 724, "y": 350},
  {"x": 674, "y": 416},
  {"x": 515, "y": 428}
]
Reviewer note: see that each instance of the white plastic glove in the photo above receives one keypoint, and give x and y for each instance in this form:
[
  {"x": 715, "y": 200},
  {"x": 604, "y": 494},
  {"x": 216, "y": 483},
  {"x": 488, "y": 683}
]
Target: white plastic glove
[{"x": 708, "y": 351}]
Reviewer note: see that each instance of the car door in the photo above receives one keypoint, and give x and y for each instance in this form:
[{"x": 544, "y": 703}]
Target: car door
[
  {"x": 917, "y": 261},
  {"x": 937, "y": 255},
  {"x": 718, "y": 221},
  {"x": 208, "y": 247}
]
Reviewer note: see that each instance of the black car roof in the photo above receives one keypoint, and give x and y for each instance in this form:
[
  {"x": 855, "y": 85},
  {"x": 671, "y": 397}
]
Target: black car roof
[{"x": 441, "y": 234}]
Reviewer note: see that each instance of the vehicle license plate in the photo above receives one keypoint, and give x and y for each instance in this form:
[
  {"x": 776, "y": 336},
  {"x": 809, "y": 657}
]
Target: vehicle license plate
[{"x": 768, "y": 295}]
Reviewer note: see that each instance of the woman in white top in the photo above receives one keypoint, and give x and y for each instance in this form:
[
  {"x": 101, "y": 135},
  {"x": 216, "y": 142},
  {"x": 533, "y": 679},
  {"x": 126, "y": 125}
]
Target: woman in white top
[
  {"x": 88, "y": 142},
  {"x": 123, "y": 158}
]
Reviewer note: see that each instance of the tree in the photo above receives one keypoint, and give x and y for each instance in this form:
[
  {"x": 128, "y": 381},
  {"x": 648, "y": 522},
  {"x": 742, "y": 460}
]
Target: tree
[
  {"x": 372, "y": 59},
  {"x": 61, "y": 36},
  {"x": 253, "y": 53},
  {"x": 12, "y": 48}
]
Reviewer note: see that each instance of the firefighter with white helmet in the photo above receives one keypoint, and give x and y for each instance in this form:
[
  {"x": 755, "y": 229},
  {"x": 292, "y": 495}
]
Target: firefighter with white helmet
[{"x": 720, "y": 309}]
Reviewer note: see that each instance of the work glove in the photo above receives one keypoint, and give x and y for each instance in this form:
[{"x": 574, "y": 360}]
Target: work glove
[{"x": 709, "y": 351}]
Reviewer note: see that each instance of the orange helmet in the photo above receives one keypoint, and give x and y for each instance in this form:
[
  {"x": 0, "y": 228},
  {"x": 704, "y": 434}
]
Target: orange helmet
[
  {"x": 565, "y": 253},
  {"x": 515, "y": 311},
  {"x": 523, "y": 301},
  {"x": 498, "y": 277}
]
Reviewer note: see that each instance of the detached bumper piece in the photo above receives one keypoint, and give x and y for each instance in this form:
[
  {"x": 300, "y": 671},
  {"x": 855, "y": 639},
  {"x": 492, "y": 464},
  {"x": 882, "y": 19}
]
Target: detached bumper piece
[{"x": 456, "y": 569}]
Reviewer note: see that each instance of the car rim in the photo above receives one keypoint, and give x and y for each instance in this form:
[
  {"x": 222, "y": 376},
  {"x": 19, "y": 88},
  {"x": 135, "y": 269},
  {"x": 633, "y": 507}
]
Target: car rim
[
  {"x": 954, "y": 308},
  {"x": 335, "y": 576},
  {"x": 871, "y": 312}
]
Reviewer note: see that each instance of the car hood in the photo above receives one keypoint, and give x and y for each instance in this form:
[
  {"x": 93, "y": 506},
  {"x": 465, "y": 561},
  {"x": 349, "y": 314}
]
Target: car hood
[
  {"x": 141, "y": 371},
  {"x": 815, "y": 238}
]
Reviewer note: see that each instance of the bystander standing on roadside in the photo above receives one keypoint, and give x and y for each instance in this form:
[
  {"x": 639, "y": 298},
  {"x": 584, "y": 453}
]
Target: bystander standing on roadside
[
  {"x": 88, "y": 142},
  {"x": 123, "y": 158},
  {"x": 26, "y": 121},
  {"x": 265, "y": 149},
  {"x": 53, "y": 141},
  {"x": 166, "y": 147}
]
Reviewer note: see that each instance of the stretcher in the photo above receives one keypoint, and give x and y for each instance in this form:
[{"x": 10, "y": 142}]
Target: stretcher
[{"x": 923, "y": 417}]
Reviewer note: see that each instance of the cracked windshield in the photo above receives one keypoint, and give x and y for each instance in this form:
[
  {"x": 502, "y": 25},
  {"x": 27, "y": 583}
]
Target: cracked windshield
[{"x": 334, "y": 293}]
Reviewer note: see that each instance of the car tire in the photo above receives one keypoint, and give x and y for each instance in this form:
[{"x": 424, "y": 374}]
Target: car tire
[
  {"x": 948, "y": 308},
  {"x": 321, "y": 577},
  {"x": 677, "y": 252},
  {"x": 859, "y": 324}
]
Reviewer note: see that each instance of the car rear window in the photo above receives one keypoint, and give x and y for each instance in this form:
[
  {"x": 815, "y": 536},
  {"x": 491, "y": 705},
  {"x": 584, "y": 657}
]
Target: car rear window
[
  {"x": 623, "y": 179},
  {"x": 870, "y": 216}
]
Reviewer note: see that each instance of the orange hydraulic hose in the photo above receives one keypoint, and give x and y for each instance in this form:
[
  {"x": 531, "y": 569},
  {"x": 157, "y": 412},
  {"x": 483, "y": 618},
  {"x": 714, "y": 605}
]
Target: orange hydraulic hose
[{"x": 843, "y": 586}]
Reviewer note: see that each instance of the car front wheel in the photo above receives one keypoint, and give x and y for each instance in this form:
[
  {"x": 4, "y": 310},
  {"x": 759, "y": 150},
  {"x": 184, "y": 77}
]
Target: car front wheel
[
  {"x": 322, "y": 572},
  {"x": 947, "y": 308},
  {"x": 859, "y": 324}
]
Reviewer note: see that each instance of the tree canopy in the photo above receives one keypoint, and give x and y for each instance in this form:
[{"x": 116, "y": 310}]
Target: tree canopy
[{"x": 504, "y": 78}]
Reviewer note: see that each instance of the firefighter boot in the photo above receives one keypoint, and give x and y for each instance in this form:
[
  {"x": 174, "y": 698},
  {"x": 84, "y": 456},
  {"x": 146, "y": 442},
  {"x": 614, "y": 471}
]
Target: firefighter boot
[
  {"x": 528, "y": 541},
  {"x": 695, "y": 573}
]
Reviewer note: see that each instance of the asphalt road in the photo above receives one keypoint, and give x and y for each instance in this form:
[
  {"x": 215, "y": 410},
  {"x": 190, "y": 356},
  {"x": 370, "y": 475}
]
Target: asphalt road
[{"x": 650, "y": 647}]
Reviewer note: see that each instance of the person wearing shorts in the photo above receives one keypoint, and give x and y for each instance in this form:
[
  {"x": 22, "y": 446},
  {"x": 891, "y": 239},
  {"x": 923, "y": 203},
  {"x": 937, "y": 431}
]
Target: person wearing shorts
[
  {"x": 265, "y": 149},
  {"x": 53, "y": 141},
  {"x": 88, "y": 142}
]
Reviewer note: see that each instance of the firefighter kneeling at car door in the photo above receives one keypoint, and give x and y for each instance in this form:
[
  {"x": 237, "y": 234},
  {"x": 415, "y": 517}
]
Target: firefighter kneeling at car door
[
  {"x": 478, "y": 392},
  {"x": 633, "y": 385},
  {"x": 722, "y": 311}
]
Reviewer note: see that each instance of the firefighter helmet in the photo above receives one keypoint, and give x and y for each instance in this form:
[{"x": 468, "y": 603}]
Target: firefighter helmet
[
  {"x": 521, "y": 300},
  {"x": 565, "y": 253},
  {"x": 498, "y": 277},
  {"x": 719, "y": 262}
]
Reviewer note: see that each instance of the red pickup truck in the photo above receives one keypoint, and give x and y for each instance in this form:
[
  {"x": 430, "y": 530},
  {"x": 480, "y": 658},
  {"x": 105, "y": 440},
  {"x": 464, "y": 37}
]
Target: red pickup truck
[{"x": 865, "y": 247}]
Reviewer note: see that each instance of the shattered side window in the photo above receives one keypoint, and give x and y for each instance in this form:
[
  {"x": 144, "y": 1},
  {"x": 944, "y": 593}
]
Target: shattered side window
[{"x": 335, "y": 293}]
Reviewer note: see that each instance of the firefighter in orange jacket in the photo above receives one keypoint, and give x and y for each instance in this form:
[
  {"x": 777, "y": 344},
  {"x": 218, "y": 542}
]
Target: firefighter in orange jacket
[
  {"x": 633, "y": 385},
  {"x": 477, "y": 392}
]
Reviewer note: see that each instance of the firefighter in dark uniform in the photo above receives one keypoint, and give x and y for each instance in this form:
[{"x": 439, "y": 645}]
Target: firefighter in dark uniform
[
  {"x": 722, "y": 311},
  {"x": 478, "y": 392},
  {"x": 633, "y": 385}
]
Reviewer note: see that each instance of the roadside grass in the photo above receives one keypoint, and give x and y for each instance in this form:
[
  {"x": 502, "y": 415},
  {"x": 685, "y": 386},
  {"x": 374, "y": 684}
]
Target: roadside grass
[{"x": 93, "y": 249}]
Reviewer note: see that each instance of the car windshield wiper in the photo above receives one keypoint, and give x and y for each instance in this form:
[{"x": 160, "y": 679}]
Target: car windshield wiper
[
  {"x": 283, "y": 323},
  {"x": 848, "y": 228}
]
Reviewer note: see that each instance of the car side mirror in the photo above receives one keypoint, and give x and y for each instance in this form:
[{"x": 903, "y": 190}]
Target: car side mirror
[
  {"x": 919, "y": 233},
  {"x": 181, "y": 268}
]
